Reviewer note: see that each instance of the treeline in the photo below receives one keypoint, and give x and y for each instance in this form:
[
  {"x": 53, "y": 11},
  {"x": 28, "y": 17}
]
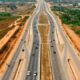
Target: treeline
[
  {"x": 4, "y": 14},
  {"x": 68, "y": 16},
  {"x": 7, "y": 15},
  {"x": 18, "y": 0}
]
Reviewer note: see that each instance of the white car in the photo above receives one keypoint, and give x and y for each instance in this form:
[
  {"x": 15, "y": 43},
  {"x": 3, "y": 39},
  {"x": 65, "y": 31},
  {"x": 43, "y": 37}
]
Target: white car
[
  {"x": 35, "y": 74},
  {"x": 28, "y": 73}
]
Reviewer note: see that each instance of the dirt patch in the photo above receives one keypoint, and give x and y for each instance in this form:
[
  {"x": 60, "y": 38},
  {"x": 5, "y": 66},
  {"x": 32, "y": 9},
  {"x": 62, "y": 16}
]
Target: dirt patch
[
  {"x": 6, "y": 51},
  {"x": 74, "y": 38},
  {"x": 45, "y": 66},
  {"x": 26, "y": 9},
  {"x": 43, "y": 19},
  {"x": 4, "y": 26},
  {"x": 45, "y": 59},
  {"x": 6, "y": 22}
]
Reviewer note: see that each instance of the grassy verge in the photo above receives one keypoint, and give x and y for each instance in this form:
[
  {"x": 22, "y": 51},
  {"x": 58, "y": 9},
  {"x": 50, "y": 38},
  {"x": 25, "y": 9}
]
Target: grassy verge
[
  {"x": 43, "y": 19},
  {"x": 22, "y": 21},
  {"x": 26, "y": 10},
  {"x": 71, "y": 17},
  {"x": 5, "y": 20},
  {"x": 43, "y": 28},
  {"x": 3, "y": 32}
]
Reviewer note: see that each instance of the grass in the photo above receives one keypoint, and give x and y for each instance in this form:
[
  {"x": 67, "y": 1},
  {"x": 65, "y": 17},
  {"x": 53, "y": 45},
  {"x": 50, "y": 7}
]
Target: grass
[
  {"x": 5, "y": 20},
  {"x": 26, "y": 10},
  {"x": 3, "y": 32},
  {"x": 4, "y": 14},
  {"x": 8, "y": 17},
  {"x": 22, "y": 22},
  {"x": 77, "y": 31},
  {"x": 70, "y": 17}
]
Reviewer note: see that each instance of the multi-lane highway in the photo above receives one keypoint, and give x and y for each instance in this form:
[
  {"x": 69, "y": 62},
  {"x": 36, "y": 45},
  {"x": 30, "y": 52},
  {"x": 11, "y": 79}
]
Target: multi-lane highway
[
  {"x": 58, "y": 73},
  {"x": 33, "y": 63},
  {"x": 19, "y": 47},
  {"x": 72, "y": 52},
  {"x": 56, "y": 65},
  {"x": 57, "y": 69},
  {"x": 66, "y": 41},
  {"x": 32, "y": 72}
]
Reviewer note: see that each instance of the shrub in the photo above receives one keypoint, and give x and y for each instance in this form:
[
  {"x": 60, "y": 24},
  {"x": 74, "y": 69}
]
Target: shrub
[{"x": 4, "y": 14}]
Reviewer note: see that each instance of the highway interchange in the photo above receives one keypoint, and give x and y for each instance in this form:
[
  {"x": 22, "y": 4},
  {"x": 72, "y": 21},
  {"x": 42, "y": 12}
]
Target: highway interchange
[{"x": 57, "y": 69}]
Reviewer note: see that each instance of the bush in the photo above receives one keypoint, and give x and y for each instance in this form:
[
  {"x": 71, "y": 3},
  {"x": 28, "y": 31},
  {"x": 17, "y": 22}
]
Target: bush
[
  {"x": 13, "y": 7},
  {"x": 8, "y": 17},
  {"x": 57, "y": 8},
  {"x": 4, "y": 14},
  {"x": 77, "y": 31},
  {"x": 71, "y": 17}
]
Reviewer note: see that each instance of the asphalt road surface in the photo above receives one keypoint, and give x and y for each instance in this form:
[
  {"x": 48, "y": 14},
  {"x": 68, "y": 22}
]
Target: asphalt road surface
[
  {"x": 67, "y": 43},
  {"x": 33, "y": 63},
  {"x": 19, "y": 49},
  {"x": 57, "y": 69},
  {"x": 57, "y": 74}
]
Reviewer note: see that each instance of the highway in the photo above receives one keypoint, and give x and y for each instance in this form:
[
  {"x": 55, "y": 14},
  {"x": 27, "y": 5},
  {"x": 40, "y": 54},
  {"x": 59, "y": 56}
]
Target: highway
[
  {"x": 58, "y": 73},
  {"x": 32, "y": 71},
  {"x": 66, "y": 41},
  {"x": 74, "y": 57},
  {"x": 19, "y": 48},
  {"x": 33, "y": 63}
]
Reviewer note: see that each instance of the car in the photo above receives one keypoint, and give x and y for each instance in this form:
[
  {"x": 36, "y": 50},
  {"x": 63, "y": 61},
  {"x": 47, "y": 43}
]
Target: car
[
  {"x": 68, "y": 60},
  {"x": 35, "y": 74},
  {"x": 28, "y": 73},
  {"x": 23, "y": 50},
  {"x": 54, "y": 52},
  {"x": 53, "y": 40},
  {"x": 50, "y": 41},
  {"x": 33, "y": 54},
  {"x": 21, "y": 39},
  {"x": 8, "y": 65},
  {"x": 52, "y": 46},
  {"x": 36, "y": 47},
  {"x": 52, "y": 32}
]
